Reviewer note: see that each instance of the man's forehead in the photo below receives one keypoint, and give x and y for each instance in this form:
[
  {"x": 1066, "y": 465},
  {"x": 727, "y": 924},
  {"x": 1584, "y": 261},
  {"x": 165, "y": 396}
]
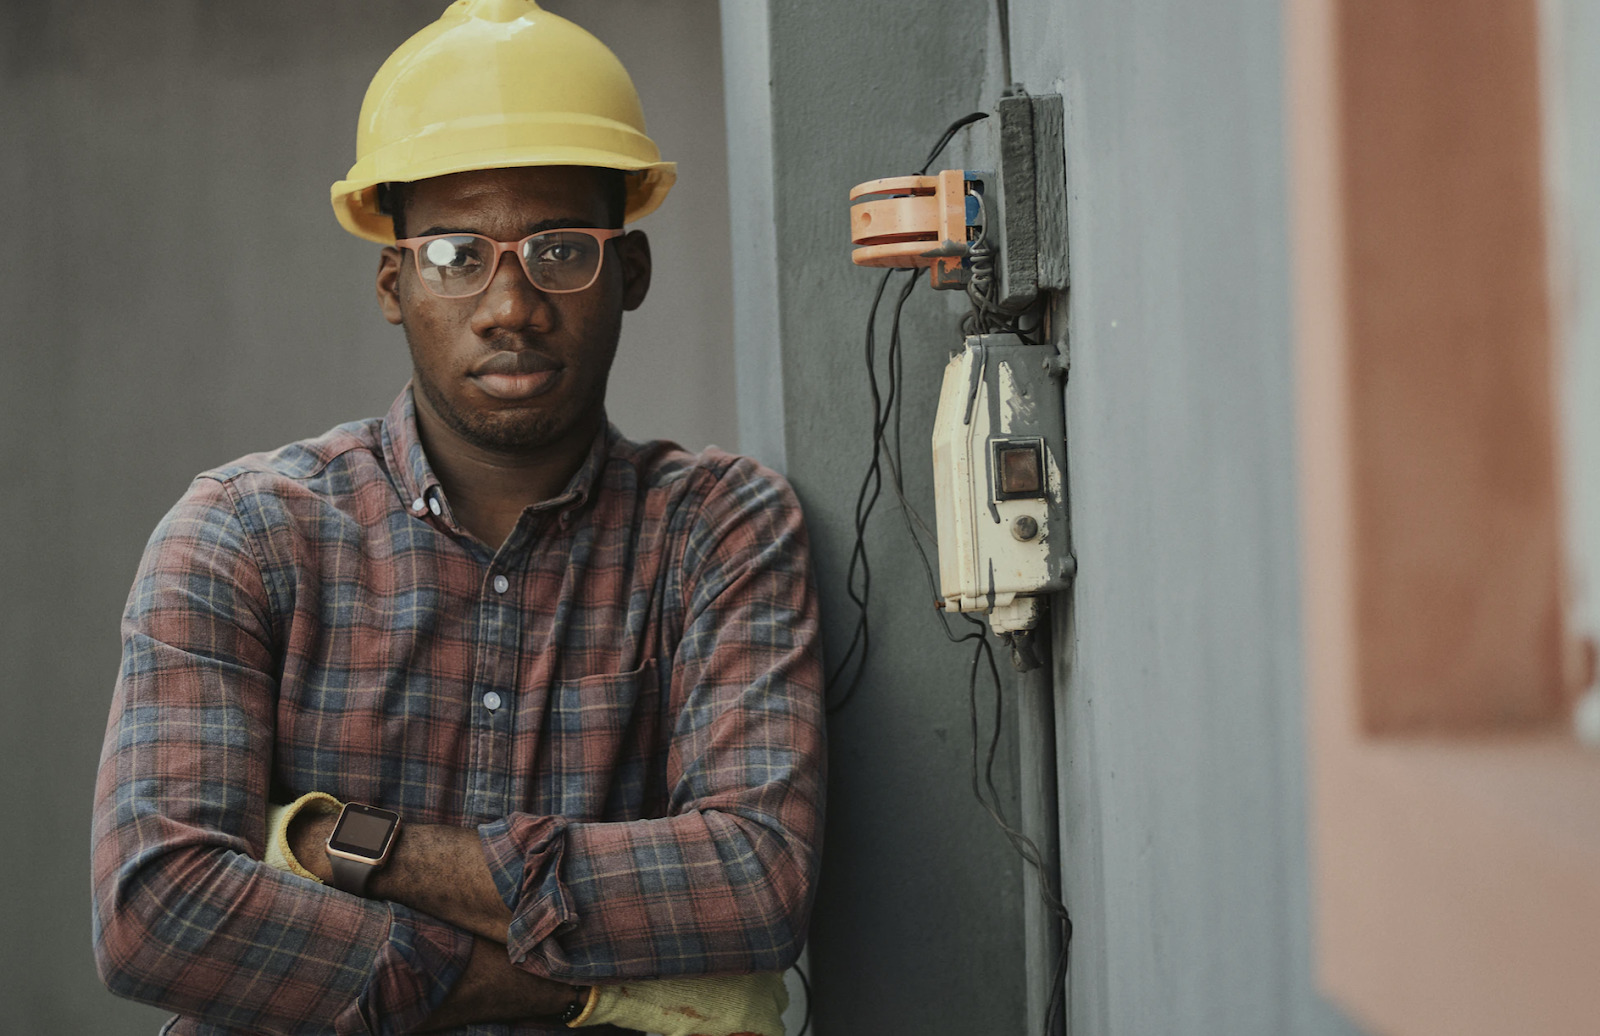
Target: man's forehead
[{"x": 537, "y": 191}]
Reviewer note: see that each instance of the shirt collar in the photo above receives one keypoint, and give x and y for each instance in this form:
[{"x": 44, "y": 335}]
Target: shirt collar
[
  {"x": 583, "y": 482},
  {"x": 419, "y": 486},
  {"x": 402, "y": 447}
]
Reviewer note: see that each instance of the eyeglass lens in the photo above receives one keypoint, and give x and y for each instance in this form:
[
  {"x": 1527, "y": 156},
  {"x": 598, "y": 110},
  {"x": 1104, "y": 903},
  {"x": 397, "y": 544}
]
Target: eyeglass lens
[{"x": 456, "y": 265}]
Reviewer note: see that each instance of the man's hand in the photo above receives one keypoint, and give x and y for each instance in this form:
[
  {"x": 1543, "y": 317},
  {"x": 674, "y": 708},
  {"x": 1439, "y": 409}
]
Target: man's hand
[{"x": 492, "y": 989}]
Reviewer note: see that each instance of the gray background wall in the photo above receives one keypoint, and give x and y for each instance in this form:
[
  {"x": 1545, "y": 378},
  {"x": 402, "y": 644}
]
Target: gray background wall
[
  {"x": 176, "y": 293},
  {"x": 1182, "y": 746},
  {"x": 1572, "y": 43}
]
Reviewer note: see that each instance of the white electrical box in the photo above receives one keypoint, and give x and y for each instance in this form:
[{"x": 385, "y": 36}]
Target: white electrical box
[{"x": 1000, "y": 480}]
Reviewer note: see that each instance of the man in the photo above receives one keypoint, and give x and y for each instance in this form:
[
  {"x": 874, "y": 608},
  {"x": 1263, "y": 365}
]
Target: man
[{"x": 479, "y": 717}]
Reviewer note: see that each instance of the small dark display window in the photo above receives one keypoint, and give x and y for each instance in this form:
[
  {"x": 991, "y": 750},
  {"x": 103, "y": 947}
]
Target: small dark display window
[
  {"x": 364, "y": 830},
  {"x": 1018, "y": 469}
]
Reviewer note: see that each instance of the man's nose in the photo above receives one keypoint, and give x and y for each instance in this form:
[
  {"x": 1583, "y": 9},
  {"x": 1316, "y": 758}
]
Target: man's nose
[{"x": 511, "y": 302}]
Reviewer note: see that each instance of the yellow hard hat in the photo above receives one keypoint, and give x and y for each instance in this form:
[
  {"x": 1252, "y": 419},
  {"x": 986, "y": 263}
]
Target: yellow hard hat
[{"x": 490, "y": 85}]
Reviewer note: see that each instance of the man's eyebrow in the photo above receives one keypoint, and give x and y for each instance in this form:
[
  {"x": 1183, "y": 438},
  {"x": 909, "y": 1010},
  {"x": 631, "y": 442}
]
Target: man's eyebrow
[{"x": 557, "y": 223}]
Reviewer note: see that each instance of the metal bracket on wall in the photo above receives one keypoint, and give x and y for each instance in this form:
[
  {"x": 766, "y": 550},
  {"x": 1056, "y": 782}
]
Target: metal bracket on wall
[{"x": 1032, "y": 237}]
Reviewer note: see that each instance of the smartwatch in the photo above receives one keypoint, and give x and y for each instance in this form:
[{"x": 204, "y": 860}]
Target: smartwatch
[{"x": 360, "y": 844}]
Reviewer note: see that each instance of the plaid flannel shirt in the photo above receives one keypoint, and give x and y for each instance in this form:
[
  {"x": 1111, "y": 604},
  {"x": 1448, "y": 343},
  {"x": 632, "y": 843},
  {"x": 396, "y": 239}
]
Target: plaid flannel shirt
[{"x": 624, "y": 700}]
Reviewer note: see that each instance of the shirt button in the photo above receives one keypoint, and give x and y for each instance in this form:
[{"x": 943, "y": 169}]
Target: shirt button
[
  {"x": 419, "y": 505},
  {"x": 433, "y": 505},
  {"x": 501, "y": 584},
  {"x": 491, "y": 701}
]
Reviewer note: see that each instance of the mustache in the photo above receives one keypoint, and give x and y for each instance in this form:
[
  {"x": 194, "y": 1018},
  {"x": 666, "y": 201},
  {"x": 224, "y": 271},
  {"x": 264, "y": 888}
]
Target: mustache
[{"x": 522, "y": 361}]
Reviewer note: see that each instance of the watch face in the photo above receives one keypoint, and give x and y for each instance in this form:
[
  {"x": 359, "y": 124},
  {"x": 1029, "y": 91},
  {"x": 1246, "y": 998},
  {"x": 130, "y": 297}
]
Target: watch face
[{"x": 363, "y": 830}]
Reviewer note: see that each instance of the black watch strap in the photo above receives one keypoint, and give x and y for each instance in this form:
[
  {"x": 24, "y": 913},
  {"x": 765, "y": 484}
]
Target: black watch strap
[
  {"x": 580, "y": 1000},
  {"x": 349, "y": 875}
]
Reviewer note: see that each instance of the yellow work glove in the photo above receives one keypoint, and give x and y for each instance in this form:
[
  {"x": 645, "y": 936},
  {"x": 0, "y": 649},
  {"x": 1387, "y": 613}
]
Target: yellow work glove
[
  {"x": 712, "y": 1005},
  {"x": 278, "y": 818}
]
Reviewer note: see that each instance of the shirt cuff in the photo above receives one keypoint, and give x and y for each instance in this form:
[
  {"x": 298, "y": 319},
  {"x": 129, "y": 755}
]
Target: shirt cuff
[
  {"x": 524, "y": 854},
  {"x": 414, "y": 971}
]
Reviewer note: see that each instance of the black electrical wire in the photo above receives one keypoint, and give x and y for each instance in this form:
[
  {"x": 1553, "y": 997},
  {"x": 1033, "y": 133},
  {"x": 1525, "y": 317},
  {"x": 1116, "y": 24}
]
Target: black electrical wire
[
  {"x": 858, "y": 575},
  {"x": 885, "y": 411},
  {"x": 1020, "y": 843},
  {"x": 805, "y": 984},
  {"x": 949, "y": 135},
  {"x": 1003, "y": 13},
  {"x": 988, "y": 316}
]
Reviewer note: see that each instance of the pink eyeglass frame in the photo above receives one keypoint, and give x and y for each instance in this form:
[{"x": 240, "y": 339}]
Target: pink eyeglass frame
[{"x": 600, "y": 234}]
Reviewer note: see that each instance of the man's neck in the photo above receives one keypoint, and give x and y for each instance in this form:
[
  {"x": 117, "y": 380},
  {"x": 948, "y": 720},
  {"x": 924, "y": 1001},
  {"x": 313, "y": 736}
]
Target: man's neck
[{"x": 489, "y": 489}]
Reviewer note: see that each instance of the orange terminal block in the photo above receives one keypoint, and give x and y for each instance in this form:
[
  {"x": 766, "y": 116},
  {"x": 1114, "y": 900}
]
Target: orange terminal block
[{"x": 912, "y": 221}]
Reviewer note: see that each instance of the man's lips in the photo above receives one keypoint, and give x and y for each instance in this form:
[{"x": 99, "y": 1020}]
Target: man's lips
[
  {"x": 523, "y": 361},
  {"x": 516, "y": 375}
]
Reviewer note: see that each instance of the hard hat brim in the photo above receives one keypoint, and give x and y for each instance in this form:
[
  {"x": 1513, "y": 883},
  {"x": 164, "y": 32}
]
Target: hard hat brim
[{"x": 355, "y": 199}]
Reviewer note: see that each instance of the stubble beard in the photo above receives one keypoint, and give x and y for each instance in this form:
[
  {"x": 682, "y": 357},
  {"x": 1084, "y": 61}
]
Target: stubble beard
[
  {"x": 519, "y": 434},
  {"x": 513, "y": 432}
]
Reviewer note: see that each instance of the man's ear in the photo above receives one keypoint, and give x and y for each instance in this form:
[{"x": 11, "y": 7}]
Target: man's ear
[
  {"x": 389, "y": 263},
  {"x": 633, "y": 249}
]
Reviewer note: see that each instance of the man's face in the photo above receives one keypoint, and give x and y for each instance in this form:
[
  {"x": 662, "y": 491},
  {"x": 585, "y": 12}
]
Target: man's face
[{"x": 514, "y": 369}]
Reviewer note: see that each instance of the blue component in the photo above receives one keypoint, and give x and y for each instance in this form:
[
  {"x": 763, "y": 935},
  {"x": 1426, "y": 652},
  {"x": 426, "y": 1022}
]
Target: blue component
[{"x": 975, "y": 181}]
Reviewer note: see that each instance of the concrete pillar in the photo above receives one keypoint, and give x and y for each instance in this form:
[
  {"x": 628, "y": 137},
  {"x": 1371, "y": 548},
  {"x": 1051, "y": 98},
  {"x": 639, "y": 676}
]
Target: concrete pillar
[{"x": 918, "y": 925}]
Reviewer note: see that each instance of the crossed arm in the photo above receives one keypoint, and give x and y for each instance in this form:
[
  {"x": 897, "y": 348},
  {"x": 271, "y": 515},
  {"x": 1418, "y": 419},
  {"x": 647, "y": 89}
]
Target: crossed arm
[
  {"x": 491, "y": 989},
  {"x": 440, "y": 871}
]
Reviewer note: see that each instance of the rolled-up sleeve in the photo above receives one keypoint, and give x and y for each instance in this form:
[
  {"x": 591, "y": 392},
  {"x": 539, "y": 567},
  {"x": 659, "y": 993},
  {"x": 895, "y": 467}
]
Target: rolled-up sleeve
[
  {"x": 185, "y": 917},
  {"x": 724, "y": 882}
]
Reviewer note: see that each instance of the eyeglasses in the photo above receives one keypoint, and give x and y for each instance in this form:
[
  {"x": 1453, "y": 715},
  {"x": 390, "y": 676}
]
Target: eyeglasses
[{"x": 458, "y": 266}]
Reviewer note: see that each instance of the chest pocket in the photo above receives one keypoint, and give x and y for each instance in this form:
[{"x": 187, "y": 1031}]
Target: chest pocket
[{"x": 604, "y": 738}]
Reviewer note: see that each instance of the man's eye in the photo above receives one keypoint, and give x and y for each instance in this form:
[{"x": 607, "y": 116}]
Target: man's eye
[
  {"x": 450, "y": 254},
  {"x": 557, "y": 252}
]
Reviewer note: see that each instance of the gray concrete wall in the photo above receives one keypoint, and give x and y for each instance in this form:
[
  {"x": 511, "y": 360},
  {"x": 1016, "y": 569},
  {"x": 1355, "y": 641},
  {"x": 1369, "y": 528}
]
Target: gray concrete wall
[
  {"x": 752, "y": 203},
  {"x": 176, "y": 293},
  {"x": 1572, "y": 46},
  {"x": 1179, "y": 680}
]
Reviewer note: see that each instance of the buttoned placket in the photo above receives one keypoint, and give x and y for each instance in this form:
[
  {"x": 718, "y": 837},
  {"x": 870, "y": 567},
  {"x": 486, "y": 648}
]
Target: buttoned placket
[
  {"x": 497, "y": 700},
  {"x": 494, "y": 702},
  {"x": 494, "y": 699}
]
